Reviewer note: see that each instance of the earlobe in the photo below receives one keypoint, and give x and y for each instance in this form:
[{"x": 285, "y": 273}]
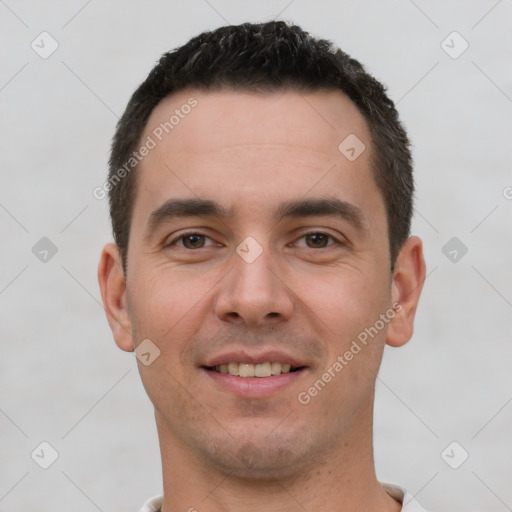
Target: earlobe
[
  {"x": 408, "y": 278},
  {"x": 113, "y": 293}
]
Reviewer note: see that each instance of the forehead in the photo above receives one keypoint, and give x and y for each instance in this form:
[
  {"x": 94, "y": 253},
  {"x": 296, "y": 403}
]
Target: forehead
[
  {"x": 251, "y": 150},
  {"x": 227, "y": 118}
]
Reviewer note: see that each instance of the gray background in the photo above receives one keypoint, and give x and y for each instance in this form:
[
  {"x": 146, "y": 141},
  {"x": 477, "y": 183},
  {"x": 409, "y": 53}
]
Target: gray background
[{"x": 62, "y": 379}]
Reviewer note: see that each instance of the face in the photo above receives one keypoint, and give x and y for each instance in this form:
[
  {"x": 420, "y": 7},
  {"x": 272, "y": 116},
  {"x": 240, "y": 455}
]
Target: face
[{"x": 258, "y": 256}]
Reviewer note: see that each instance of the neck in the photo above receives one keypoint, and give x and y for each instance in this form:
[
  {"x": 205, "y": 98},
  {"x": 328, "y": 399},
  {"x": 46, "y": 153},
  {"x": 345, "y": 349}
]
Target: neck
[{"x": 340, "y": 480}]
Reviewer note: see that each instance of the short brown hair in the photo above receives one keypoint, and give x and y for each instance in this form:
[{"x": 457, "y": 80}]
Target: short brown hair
[{"x": 268, "y": 57}]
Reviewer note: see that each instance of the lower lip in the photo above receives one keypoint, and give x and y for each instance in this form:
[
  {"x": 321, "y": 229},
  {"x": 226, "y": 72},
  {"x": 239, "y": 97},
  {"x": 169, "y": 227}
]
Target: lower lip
[{"x": 254, "y": 387}]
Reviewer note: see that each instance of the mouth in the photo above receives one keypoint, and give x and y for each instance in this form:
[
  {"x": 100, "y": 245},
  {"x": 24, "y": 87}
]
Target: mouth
[
  {"x": 260, "y": 374},
  {"x": 254, "y": 370},
  {"x": 255, "y": 376}
]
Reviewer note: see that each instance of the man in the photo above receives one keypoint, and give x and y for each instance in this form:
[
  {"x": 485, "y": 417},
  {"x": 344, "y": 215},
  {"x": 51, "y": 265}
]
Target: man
[{"x": 261, "y": 195}]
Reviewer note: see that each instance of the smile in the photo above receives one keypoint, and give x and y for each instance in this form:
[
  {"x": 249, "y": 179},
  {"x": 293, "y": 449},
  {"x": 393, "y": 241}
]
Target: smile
[{"x": 249, "y": 370}]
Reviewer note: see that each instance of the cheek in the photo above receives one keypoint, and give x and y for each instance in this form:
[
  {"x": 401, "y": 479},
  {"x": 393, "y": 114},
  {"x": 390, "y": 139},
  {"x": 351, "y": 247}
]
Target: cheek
[
  {"x": 166, "y": 303},
  {"x": 345, "y": 311},
  {"x": 344, "y": 302},
  {"x": 166, "y": 308},
  {"x": 346, "y": 306}
]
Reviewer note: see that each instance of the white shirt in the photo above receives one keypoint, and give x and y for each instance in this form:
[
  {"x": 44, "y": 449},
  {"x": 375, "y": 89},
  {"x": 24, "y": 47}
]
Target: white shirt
[{"x": 409, "y": 504}]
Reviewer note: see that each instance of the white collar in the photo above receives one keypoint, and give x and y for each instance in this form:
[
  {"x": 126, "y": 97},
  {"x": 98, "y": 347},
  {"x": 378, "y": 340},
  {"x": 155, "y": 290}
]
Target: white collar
[{"x": 409, "y": 504}]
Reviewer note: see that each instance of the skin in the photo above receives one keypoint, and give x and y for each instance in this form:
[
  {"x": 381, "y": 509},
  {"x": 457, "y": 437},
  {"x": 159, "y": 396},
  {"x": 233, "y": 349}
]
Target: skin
[{"x": 251, "y": 153}]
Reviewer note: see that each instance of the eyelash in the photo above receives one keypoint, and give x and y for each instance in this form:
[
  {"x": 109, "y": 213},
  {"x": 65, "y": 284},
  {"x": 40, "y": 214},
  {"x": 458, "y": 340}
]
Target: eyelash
[{"x": 191, "y": 233}]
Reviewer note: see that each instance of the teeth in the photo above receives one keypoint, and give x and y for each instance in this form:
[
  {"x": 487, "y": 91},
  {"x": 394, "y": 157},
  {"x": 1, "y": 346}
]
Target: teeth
[
  {"x": 275, "y": 368},
  {"x": 265, "y": 369},
  {"x": 233, "y": 368},
  {"x": 246, "y": 370},
  {"x": 262, "y": 370}
]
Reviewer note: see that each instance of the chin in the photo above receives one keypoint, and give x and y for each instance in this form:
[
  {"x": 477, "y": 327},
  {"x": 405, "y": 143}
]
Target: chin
[{"x": 260, "y": 459}]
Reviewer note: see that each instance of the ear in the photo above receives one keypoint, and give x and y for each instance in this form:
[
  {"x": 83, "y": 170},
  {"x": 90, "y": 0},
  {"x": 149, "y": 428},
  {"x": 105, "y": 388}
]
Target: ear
[
  {"x": 113, "y": 293},
  {"x": 408, "y": 279}
]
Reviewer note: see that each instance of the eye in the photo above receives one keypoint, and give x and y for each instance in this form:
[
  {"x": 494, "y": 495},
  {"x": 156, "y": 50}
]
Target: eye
[
  {"x": 190, "y": 241},
  {"x": 317, "y": 240}
]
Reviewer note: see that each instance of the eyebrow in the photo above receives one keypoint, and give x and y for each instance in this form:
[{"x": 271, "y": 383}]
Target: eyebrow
[{"x": 175, "y": 208}]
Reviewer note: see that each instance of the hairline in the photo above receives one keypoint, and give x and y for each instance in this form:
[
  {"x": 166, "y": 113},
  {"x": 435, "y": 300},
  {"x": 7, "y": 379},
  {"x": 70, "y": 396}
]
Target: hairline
[{"x": 263, "y": 90}]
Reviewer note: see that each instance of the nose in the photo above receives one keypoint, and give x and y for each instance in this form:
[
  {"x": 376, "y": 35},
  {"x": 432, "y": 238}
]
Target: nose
[{"x": 254, "y": 293}]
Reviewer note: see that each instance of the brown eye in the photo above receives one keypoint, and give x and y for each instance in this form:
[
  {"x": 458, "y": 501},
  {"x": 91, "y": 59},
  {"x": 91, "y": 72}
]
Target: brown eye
[
  {"x": 190, "y": 241},
  {"x": 193, "y": 241},
  {"x": 317, "y": 240}
]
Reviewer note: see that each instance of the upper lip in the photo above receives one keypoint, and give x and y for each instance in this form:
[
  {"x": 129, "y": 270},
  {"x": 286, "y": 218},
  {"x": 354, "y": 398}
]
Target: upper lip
[{"x": 247, "y": 358}]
